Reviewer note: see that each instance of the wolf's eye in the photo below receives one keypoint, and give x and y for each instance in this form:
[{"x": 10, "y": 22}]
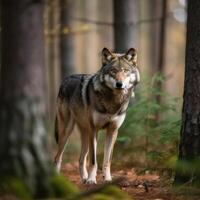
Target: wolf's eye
[
  {"x": 126, "y": 70},
  {"x": 113, "y": 71}
]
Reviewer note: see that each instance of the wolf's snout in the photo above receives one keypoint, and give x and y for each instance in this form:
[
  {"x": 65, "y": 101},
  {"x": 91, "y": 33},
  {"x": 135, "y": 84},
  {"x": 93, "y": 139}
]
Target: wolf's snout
[{"x": 119, "y": 84}]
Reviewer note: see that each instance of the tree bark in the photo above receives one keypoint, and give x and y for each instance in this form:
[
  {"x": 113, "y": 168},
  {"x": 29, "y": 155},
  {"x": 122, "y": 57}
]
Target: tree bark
[
  {"x": 0, "y": 35},
  {"x": 67, "y": 38},
  {"x": 90, "y": 40},
  {"x": 23, "y": 144},
  {"x": 158, "y": 11},
  {"x": 126, "y": 15},
  {"x": 150, "y": 34},
  {"x": 189, "y": 148},
  {"x": 52, "y": 51},
  {"x": 161, "y": 48}
]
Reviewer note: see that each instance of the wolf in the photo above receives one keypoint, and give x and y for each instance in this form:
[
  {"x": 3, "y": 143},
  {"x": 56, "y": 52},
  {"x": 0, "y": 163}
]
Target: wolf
[{"x": 94, "y": 102}]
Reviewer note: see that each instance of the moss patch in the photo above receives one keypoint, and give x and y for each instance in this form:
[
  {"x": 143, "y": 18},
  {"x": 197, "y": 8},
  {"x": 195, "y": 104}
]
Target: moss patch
[
  {"x": 62, "y": 187},
  {"x": 14, "y": 186}
]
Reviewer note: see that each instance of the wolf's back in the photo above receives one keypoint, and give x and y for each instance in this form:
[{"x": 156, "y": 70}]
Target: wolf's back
[{"x": 70, "y": 85}]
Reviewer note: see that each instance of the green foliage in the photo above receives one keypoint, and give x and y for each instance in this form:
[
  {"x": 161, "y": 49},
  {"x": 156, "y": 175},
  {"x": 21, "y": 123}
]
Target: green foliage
[
  {"x": 99, "y": 196},
  {"x": 115, "y": 193},
  {"x": 189, "y": 168},
  {"x": 65, "y": 189},
  {"x": 62, "y": 187},
  {"x": 187, "y": 179},
  {"x": 151, "y": 125},
  {"x": 59, "y": 187},
  {"x": 109, "y": 192},
  {"x": 14, "y": 186}
]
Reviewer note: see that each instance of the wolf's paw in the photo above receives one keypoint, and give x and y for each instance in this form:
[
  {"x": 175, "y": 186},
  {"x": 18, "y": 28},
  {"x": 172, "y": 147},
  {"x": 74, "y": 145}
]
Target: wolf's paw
[
  {"x": 107, "y": 178},
  {"x": 84, "y": 181},
  {"x": 91, "y": 182}
]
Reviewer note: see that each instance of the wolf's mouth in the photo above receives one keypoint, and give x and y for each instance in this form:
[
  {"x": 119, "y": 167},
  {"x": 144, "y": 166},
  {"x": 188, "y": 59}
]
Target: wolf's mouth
[{"x": 121, "y": 90}]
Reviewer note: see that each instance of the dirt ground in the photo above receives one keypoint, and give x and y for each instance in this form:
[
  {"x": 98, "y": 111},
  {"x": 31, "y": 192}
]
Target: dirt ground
[{"x": 139, "y": 187}]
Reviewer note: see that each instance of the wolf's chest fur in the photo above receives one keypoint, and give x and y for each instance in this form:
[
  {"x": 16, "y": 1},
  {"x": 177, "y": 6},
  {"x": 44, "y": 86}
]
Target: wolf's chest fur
[
  {"x": 108, "y": 107},
  {"x": 108, "y": 102}
]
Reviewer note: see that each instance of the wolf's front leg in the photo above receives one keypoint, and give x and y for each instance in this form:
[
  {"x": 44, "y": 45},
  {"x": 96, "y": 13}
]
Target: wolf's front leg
[
  {"x": 93, "y": 159},
  {"x": 111, "y": 136}
]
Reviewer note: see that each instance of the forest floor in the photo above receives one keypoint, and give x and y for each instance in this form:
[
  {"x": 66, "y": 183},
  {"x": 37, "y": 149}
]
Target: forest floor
[{"x": 148, "y": 186}]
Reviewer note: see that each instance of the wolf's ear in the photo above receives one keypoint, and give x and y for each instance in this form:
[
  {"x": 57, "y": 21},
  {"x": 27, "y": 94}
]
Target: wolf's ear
[
  {"x": 131, "y": 55},
  {"x": 137, "y": 76},
  {"x": 107, "y": 56}
]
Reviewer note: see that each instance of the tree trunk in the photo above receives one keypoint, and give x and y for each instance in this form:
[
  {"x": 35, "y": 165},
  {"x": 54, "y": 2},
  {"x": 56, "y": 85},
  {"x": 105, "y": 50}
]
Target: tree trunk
[
  {"x": 158, "y": 10},
  {"x": 189, "y": 149},
  {"x": 67, "y": 38},
  {"x": 90, "y": 50},
  {"x": 126, "y": 15},
  {"x": 23, "y": 143},
  {"x": 52, "y": 54},
  {"x": 150, "y": 32},
  {"x": 162, "y": 37},
  {"x": 161, "y": 49},
  {"x": 0, "y": 35}
]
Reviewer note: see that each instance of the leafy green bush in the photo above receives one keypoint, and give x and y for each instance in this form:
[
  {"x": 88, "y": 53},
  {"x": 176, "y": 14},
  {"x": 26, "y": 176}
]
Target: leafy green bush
[{"x": 152, "y": 124}]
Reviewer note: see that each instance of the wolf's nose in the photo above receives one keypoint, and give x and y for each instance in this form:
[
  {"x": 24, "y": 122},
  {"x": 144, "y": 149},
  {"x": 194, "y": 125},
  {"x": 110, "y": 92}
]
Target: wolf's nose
[{"x": 119, "y": 84}]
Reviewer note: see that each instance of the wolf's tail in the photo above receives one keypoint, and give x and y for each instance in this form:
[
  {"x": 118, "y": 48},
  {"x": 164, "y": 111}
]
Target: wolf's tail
[{"x": 56, "y": 130}]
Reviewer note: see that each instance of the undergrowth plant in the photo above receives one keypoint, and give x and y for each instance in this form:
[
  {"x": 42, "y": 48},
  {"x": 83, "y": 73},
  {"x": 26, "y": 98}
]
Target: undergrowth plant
[{"x": 152, "y": 125}]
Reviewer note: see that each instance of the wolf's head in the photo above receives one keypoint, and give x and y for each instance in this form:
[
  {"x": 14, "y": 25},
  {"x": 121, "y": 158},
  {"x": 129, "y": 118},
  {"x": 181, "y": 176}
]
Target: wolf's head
[{"x": 119, "y": 71}]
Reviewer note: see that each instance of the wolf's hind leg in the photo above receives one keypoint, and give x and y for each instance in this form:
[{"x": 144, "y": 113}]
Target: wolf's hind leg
[
  {"x": 93, "y": 159},
  {"x": 83, "y": 155},
  {"x": 65, "y": 127}
]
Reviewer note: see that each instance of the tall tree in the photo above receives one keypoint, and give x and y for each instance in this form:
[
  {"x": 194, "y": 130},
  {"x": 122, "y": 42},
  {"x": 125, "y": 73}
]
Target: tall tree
[
  {"x": 152, "y": 19},
  {"x": 0, "y": 38},
  {"x": 126, "y": 15},
  {"x": 161, "y": 48},
  {"x": 52, "y": 52},
  {"x": 23, "y": 143},
  {"x": 67, "y": 38},
  {"x": 90, "y": 40},
  {"x": 162, "y": 36},
  {"x": 189, "y": 148}
]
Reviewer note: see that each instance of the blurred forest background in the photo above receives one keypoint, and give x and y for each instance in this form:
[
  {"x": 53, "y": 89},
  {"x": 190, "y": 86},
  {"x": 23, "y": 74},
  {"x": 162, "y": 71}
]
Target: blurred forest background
[{"x": 76, "y": 32}]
